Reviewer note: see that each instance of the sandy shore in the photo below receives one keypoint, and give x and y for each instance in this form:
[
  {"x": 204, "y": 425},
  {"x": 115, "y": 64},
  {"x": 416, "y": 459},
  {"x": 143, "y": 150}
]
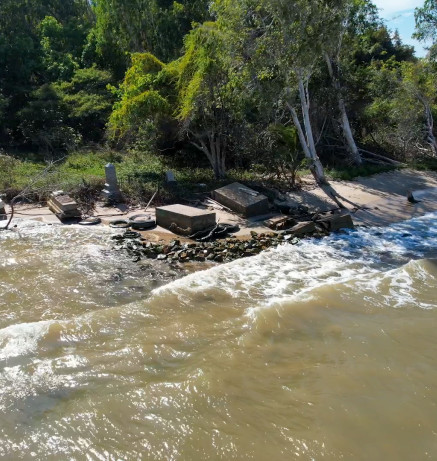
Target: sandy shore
[{"x": 382, "y": 198}]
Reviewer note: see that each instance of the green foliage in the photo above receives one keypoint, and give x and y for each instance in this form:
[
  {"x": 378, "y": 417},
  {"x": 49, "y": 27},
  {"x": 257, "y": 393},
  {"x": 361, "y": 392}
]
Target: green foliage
[
  {"x": 425, "y": 164},
  {"x": 154, "y": 26},
  {"x": 144, "y": 97},
  {"x": 287, "y": 156},
  {"x": 36, "y": 49},
  {"x": 42, "y": 122},
  {"x": 58, "y": 63},
  {"x": 88, "y": 101},
  {"x": 355, "y": 172},
  {"x": 426, "y": 25},
  {"x": 397, "y": 116}
]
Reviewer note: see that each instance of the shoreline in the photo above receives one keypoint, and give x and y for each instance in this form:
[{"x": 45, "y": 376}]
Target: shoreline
[{"x": 382, "y": 199}]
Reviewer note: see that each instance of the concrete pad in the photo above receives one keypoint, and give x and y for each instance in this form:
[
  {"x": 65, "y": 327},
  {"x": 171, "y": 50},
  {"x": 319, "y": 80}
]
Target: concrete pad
[
  {"x": 185, "y": 217},
  {"x": 242, "y": 199}
]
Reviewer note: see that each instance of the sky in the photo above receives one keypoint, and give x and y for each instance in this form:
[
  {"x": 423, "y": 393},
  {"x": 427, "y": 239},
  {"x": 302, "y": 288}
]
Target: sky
[{"x": 399, "y": 14}]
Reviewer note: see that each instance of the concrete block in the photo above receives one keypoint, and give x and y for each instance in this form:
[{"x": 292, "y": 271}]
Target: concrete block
[
  {"x": 336, "y": 222},
  {"x": 303, "y": 228},
  {"x": 242, "y": 200},
  {"x": 184, "y": 217}
]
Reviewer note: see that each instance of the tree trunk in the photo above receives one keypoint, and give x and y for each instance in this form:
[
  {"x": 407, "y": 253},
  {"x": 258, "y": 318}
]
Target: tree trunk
[
  {"x": 430, "y": 130},
  {"x": 309, "y": 147},
  {"x": 307, "y": 139},
  {"x": 215, "y": 153},
  {"x": 344, "y": 119}
]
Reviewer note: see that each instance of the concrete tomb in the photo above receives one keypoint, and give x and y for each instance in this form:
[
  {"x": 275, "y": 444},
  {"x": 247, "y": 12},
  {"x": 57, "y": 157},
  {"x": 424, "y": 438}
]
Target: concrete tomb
[
  {"x": 111, "y": 192},
  {"x": 182, "y": 217},
  {"x": 242, "y": 200},
  {"x": 63, "y": 206}
]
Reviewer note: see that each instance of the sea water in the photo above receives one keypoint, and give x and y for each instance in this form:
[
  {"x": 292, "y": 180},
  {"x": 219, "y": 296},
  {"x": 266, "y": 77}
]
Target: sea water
[{"x": 322, "y": 350}]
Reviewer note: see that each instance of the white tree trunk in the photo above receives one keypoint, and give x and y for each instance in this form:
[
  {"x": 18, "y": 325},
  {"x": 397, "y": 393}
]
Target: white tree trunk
[
  {"x": 316, "y": 167},
  {"x": 344, "y": 119},
  {"x": 430, "y": 128}
]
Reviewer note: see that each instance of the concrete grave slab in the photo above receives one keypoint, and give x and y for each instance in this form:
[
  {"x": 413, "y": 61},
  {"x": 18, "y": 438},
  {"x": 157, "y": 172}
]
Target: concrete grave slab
[
  {"x": 242, "y": 200},
  {"x": 185, "y": 217},
  {"x": 63, "y": 206}
]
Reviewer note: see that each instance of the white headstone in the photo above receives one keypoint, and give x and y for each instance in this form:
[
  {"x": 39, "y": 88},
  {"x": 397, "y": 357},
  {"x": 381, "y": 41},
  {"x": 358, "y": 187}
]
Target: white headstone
[{"x": 111, "y": 192}]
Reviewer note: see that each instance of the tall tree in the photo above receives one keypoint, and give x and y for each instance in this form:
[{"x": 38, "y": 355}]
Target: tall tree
[
  {"x": 426, "y": 24},
  {"x": 356, "y": 15},
  {"x": 284, "y": 44},
  {"x": 138, "y": 26},
  {"x": 27, "y": 48},
  {"x": 210, "y": 98}
]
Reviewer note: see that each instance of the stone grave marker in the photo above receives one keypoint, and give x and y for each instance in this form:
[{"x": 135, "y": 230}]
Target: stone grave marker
[{"x": 111, "y": 192}]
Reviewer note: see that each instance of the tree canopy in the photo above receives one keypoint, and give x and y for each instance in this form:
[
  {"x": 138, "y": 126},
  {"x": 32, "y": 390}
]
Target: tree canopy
[{"x": 221, "y": 81}]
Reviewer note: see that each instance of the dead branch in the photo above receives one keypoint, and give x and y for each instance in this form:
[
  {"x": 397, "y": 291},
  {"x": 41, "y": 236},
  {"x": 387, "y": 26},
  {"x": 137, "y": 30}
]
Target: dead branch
[
  {"x": 381, "y": 157},
  {"x": 27, "y": 189}
]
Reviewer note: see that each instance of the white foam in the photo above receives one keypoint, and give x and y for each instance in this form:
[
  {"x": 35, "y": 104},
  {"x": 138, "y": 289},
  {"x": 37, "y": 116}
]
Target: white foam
[
  {"x": 292, "y": 271},
  {"x": 22, "y": 339}
]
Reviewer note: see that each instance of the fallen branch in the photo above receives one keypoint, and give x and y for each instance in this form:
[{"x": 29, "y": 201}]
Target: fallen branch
[
  {"x": 150, "y": 201},
  {"x": 381, "y": 157},
  {"x": 26, "y": 190}
]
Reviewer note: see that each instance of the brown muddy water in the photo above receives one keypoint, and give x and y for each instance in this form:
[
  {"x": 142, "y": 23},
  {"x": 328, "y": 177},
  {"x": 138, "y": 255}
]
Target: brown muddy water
[{"x": 326, "y": 350}]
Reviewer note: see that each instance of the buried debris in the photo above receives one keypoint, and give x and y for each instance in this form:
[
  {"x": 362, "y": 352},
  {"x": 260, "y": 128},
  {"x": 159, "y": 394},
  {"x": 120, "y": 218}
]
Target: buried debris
[
  {"x": 280, "y": 223},
  {"x": 208, "y": 248},
  {"x": 142, "y": 222}
]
